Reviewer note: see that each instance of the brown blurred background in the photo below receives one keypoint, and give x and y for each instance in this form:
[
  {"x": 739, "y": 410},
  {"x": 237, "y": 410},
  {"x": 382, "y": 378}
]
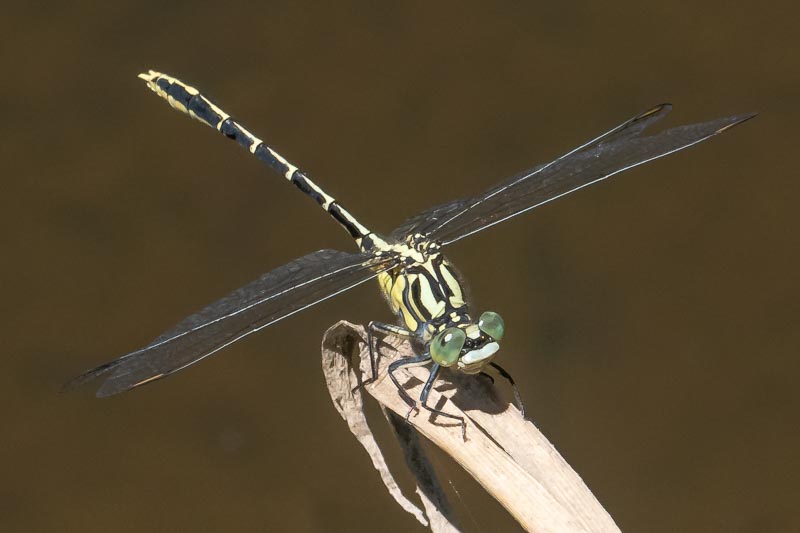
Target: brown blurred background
[{"x": 652, "y": 319}]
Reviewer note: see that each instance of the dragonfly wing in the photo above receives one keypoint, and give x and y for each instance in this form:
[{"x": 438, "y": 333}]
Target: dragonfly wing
[
  {"x": 615, "y": 151},
  {"x": 275, "y": 295},
  {"x": 431, "y": 219}
]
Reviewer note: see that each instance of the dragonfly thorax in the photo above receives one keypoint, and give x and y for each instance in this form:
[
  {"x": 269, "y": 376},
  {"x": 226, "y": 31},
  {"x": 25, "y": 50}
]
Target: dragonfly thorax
[{"x": 424, "y": 288}]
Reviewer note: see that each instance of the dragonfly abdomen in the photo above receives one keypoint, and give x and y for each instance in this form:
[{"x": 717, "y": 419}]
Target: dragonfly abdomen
[{"x": 189, "y": 100}]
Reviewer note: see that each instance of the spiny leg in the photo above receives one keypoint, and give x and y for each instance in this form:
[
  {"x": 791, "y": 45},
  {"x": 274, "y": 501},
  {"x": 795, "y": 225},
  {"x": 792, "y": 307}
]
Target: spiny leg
[
  {"x": 187, "y": 99},
  {"x": 426, "y": 389},
  {"x": 502, "y": 371},
  {"x": 386, "y": 329},
  {"x": 373, "y": 328},
  {"x": 423, "y": 398},
  {"x": 407, "y": 361}
]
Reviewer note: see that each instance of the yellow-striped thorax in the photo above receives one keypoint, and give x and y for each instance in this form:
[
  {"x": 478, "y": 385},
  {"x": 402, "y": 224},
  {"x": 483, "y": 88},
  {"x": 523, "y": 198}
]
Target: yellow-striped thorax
[{"x": 426, "y": 295}]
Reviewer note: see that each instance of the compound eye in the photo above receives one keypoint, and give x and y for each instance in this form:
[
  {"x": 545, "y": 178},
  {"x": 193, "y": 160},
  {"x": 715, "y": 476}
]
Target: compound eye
[
  {"x": 492, "y": 324},
  {"x": 446, "y": 346}
]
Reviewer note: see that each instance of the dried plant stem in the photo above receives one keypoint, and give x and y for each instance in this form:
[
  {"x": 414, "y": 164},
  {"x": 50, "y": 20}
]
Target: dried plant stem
[{"x": 505, "y": 453}]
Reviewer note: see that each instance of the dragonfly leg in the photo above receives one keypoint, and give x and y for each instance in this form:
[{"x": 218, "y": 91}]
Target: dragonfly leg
[
  {"x": 373, "y": 329},
  {"x": 423, "y": 398},
  {"x": 502, "y": 371},
  {"x": 407, "y": 361},
  {"x": 426, "y": 389}
]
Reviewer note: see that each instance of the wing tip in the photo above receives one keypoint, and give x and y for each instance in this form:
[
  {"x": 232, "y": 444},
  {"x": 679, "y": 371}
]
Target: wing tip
[
  {"x": 87, "y": 376},
  {"x": 112, "y": 387},
  {"x": 664, "y": 107},
  {"x": 648, "y": 117},
  {"x": 735, "y": 121}
]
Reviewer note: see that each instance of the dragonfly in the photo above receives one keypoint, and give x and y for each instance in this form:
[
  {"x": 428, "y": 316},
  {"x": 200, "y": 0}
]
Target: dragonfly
[{"x": 421, "y": 286}]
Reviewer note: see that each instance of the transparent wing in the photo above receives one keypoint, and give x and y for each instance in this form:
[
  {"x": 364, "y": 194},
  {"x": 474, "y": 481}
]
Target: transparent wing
[
  {"x": 275, "y": 295},
  {"x": 615, "y": 151}
]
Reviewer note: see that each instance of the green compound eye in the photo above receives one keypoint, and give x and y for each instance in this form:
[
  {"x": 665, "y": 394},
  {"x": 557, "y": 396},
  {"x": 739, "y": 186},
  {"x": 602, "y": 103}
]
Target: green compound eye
[
  {"x": 446, "y": 346},
  {"x": 491, "y": 324}
]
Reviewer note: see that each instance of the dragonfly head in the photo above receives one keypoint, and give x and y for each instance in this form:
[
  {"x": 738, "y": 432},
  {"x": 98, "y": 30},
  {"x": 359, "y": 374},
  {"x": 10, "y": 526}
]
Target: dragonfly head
[{"x": 470, "y": 346}]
